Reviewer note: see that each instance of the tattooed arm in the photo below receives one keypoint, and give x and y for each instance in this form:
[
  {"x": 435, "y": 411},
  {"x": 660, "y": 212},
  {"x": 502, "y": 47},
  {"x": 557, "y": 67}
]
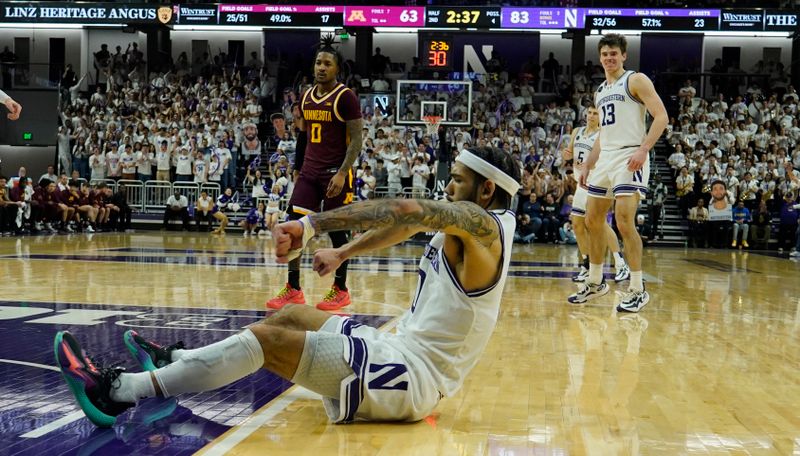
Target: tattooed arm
[
  {"x": 462, "y": 219},
  {"x": 470, "y": 247},
  {"x": 353, "y": 150}
]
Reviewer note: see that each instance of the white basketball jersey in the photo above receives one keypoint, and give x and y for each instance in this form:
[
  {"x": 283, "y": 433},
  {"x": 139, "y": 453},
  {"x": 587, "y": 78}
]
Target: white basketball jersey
[
  {"x": 447, "y": 328},
  {"x": 622, "y": 117},
  {"x": 582, "y": 147}
]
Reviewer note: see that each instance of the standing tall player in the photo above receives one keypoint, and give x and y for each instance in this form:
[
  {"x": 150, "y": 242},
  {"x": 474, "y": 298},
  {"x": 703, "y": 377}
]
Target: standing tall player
[
  {"x": 330, "y": 117},
  {"x": 579, "y": 149},
  {"x": 623, "y": 168}
]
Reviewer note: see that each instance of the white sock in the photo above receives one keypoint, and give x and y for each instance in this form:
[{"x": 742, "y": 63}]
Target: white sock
[
  {"x": 133, "y": 387},
  {"x": 636, "y": 281},
  {"x": 595, "y": 273},
  {"x": 619, "y": 262},
  {"x": 202, "y": 369}
]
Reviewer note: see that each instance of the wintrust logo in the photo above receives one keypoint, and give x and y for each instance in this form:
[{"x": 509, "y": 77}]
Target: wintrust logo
[
  {"x": 732, "y": 17},
  {"x": 742, "y": 20}
]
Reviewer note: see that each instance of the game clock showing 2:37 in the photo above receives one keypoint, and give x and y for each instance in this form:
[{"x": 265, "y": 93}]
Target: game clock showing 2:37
[
  {"x": 462, "y": 17},
  {"x": 436, "y": 54}
]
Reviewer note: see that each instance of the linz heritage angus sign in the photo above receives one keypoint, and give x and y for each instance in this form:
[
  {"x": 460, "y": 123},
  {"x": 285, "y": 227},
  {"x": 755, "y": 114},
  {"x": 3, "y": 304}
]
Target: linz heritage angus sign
[{"x": 85, "y": 13}]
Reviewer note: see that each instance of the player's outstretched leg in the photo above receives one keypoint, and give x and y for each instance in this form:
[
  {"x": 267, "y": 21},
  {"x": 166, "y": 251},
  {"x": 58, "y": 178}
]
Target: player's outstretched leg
[
  {"x": 90, "y": 386},
  {"x": 148, "y": 354}
]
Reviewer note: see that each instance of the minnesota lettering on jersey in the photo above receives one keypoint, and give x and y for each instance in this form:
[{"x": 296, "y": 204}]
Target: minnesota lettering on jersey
[{"x": 317, "y": 115}]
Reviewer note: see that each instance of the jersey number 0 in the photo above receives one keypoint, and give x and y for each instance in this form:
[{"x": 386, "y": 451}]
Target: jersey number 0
[{"x": 316, "y": 133}]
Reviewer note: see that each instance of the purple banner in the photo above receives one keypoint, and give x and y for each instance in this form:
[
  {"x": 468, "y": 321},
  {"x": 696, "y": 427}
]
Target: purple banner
[{"x": 650, "y": 12}]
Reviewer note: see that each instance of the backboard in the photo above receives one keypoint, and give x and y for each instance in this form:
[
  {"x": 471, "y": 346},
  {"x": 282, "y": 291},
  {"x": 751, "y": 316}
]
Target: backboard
[{"x": 415, "y": 99}]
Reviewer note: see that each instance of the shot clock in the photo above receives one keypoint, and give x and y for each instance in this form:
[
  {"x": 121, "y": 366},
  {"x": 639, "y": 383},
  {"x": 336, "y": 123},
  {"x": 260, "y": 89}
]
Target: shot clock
[{"x": 436, "y": 53}]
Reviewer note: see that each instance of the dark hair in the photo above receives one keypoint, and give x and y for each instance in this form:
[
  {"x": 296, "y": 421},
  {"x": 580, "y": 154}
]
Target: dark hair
[
  {"x": 502, "y": 161},
  {"x": 613, "y": 40},
  {"x": 326, "y": 45},
  {"x": 720, "y": 183}
]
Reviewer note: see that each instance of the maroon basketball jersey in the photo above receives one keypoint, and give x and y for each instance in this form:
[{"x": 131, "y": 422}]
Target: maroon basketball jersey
[{"x": 326, "y": 128}]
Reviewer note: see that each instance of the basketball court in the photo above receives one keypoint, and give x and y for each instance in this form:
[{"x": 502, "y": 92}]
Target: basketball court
[{"x": 707, "y": 366}]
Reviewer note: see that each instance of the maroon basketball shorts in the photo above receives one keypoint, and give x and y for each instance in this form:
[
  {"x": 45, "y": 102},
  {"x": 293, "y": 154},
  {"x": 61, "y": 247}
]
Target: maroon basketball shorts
[{"x": 309, "y": 193}]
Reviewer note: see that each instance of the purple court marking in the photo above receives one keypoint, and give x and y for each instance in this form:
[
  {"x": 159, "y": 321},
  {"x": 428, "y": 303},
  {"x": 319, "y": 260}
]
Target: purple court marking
[{"x": 33, "y": 397}]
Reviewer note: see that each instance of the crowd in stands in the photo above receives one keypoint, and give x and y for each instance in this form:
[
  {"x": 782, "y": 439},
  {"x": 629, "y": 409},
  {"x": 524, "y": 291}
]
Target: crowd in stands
[
  {"x": 197, "y": 123},
  {"x": 751, "y": 144}
]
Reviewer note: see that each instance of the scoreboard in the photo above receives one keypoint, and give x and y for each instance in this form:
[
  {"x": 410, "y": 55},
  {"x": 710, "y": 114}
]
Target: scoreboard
[
  {"x": 652, "y": 19},
  {"x": 282, "y": 15},
  {"x": 420, "y": 17}
]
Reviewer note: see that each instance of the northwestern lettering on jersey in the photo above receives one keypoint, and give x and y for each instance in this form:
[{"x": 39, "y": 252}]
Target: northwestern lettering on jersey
[
  {"x": 612, "y": 97},
  {"x": 432, "y": 254},
  {"x": 317, "y": 115}
]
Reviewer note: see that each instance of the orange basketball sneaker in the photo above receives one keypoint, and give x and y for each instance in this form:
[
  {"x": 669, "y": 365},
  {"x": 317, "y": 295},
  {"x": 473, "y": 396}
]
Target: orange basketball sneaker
[
  {"x": 335, "y": 299},
  {"x": 287, "y": 295}
]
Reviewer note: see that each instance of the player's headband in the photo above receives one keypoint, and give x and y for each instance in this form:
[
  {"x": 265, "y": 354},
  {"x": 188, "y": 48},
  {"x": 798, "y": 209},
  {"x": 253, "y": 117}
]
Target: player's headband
[{"x": 488, "y": 171}]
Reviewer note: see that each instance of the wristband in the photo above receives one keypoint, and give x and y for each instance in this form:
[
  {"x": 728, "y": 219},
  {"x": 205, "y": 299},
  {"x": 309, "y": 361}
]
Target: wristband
[{"x": 308, "y": 233}]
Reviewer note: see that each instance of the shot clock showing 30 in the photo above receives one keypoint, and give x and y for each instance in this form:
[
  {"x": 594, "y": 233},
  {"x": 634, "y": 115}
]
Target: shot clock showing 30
[
  {"x": 385, "y": 16},
  {"x": 436, "y": 54},
  {"x": 462, "y": 17}
]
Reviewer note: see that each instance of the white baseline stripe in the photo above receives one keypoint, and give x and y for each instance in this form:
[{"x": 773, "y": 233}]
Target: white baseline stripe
[
  {"x": 25, "y": 363},
  {"x": 252, "y": 423},
  {"x": 47, "y": 428}
]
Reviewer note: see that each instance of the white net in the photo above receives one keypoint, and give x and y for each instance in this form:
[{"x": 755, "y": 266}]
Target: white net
[{"x": 432, "y": 124}]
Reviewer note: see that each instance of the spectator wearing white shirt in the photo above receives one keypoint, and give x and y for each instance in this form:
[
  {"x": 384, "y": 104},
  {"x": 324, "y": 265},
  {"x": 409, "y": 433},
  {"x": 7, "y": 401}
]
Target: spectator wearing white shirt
[
  {"x": 420, "y": 173},
  {"x": 163, "y": 161},
  {"x": 183, "y": 165},
  {"x": 112, "y": 164},
  {"x": 49, "y": 175},
  {"x": 200, "y": 168},
  {"x": 144, "y": 163},
  {"x": 128, "y": 163},
  {"x": 380, "y": 85},
  {"x": 177, "y": 206},
  {"x": 227, "y": 177}
]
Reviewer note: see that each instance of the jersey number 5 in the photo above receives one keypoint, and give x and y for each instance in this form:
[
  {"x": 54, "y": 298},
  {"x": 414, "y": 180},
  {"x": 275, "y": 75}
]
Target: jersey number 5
[
  {"x": 608, "y": 115},
  {"x": 316, "y": 133}
]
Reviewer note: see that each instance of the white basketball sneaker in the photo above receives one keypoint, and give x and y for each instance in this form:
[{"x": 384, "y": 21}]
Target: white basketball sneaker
[
  {"x": 623, "y": 274},
  {"x": 633, "y": 301},
  {"x": 588, "y": 291}
]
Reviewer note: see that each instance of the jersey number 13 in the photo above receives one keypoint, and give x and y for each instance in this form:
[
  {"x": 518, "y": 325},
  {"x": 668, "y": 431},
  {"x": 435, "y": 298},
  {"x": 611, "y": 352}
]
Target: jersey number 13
[{"x": 608, "y": 115}]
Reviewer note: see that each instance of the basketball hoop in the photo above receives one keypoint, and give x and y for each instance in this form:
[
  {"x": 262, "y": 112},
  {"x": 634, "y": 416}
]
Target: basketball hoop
[{"x": 432, "y": 123}]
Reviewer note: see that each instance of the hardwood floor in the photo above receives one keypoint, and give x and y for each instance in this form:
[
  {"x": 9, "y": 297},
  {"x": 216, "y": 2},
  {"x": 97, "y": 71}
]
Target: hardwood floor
[{"x": 709, "y": 366}]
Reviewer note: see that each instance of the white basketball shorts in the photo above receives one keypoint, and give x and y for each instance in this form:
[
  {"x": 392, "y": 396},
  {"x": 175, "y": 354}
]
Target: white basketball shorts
[
  {"x": 610, "y": 177},
  {"x": 386, "y": 385},
  {"x": 579, "y": 202}
]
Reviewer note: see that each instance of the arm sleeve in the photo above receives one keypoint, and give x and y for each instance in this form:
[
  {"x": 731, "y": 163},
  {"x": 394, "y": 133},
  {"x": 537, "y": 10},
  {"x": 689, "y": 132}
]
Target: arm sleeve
[
  {"x": 3, "y": 97},
  {"x": 300, "y": 150}
]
